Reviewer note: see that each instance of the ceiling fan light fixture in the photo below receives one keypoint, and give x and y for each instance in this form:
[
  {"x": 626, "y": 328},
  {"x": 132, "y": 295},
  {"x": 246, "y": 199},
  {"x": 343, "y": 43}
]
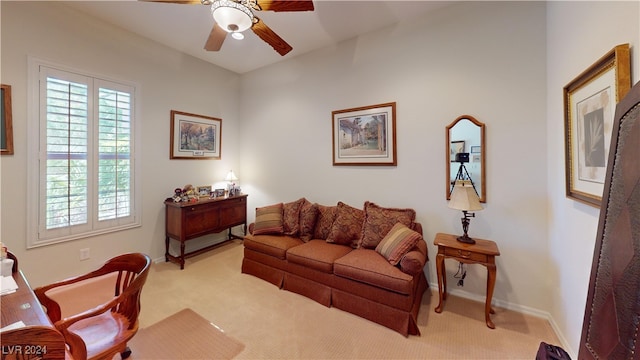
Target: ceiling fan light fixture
[
  {"x": 237, "y": 35},
  {"x": 231, "y": 16}
]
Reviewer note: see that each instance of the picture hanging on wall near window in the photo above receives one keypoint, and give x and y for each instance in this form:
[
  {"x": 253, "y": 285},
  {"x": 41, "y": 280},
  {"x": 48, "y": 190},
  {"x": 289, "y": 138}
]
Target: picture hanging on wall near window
[
  {"x": 6, "y": 139},
  {"x": 365, "y": 136},
  {"x": 589, "y": 107},
  {"x": 455, "y": 148},
  {"x": 195, "y": 136}
]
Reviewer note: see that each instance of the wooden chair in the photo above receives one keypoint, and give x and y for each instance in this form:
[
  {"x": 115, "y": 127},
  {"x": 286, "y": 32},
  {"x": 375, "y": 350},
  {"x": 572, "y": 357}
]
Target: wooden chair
[{"x": 103, "y": 332}]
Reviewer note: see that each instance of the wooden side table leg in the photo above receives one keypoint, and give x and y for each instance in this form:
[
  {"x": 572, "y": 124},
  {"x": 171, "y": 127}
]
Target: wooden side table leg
[
  {"x": 166, "y": 248},
  {"x": 491, "y": 282},
  {"x": 442, "y": 285},
  {"x": 181, "y": 255}
]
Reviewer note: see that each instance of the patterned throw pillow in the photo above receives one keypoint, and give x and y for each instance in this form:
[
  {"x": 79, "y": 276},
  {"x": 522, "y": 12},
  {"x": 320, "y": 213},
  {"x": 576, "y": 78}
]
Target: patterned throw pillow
[
  {"x": 291, "y": 217},
  {"x": 347, "y": 227},
  {"x": 308, "y": 216},
  {"x": 378, "y": 221},
  {"x": 269, "y": 220},
  {"x": 397, "y": 243},
  {"x": 326, "y": 215}
]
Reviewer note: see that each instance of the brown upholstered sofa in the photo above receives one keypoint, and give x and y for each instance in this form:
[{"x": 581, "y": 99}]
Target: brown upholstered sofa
[{"x": 367, "y": 261}]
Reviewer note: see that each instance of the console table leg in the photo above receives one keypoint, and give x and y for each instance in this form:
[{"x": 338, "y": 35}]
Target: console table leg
[
  {"x": 181, "y": 255},
  {"x": 166, "y": 248}
]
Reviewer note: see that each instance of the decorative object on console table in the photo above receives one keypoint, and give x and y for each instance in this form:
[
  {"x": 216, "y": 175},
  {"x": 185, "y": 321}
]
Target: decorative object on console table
[
  {"x": 365, "y": 135},
  {"x": 481, "y": 252},
  {"x": 195, "y": 136},
  {"x": 231, "y": 179},
  {"x": 465, "y": 198},
  {"x": 204, "y": 191},
  {"x": 186, "y": 221},
  {"x": 589, "y": 104}
]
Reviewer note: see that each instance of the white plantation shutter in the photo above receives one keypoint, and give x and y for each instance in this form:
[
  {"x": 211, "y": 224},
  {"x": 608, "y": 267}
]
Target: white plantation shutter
[{"x": 86, "y": 159}]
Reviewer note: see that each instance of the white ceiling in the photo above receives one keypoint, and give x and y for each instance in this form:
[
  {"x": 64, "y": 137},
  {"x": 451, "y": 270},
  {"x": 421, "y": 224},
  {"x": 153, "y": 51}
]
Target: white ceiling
[{"x": 186, "y": 27}]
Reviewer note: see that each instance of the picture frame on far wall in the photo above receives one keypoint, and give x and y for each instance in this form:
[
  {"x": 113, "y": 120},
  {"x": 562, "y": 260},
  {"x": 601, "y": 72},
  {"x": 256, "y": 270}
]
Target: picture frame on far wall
[
  {"x": 455, "y": 147},
  {"x": 6, "y": 120},
  {"x": 195, "y": 136},
  {"x": 589, "y": 108},
  {"x": 365, "y": 136}
]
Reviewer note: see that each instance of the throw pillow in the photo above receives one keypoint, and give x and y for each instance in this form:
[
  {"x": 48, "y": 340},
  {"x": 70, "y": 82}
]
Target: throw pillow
[
  {"x": 347, "y": 227},
  {"x": 398, "y": 241},
  {"x": 379, "y": 220},
  {"x": 326, "y": 215},
  {"x": 308, "y": 216},
  {"x": 291, "y": 217},
  {"x": 269, "y": 220}
]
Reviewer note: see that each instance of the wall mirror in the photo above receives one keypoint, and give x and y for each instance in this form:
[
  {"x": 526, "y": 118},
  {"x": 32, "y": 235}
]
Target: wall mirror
[{"x": 466, "y": 154}]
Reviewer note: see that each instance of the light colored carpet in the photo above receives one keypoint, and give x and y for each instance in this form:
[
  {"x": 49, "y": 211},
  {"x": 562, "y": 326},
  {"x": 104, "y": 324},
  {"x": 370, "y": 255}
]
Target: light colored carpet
[
  {"x": 183, "y": 335},
  {"x": 278, "y": 324}
]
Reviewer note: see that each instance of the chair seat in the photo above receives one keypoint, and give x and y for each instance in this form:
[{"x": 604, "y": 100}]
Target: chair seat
[{"x": 103, "y": 332}]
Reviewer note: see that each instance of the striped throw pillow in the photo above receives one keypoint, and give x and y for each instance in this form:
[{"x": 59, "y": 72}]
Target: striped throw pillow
[
  {"x": 397, "y": 243},
  {"x": 269, "y": 220}
]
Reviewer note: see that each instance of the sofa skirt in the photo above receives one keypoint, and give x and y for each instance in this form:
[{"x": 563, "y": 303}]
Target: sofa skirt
[
  {"x": 305, "y": 287},
  {"x": 262, "y": 271}
]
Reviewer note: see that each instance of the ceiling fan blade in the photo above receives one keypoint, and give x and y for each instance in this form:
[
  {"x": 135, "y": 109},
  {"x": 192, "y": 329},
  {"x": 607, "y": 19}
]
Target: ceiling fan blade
[
  {"x": 286, "y": 5},
  {"x": 270, "y": 37},
  {"x": 198, "y": 2},
  {"x": 216, "y": 38}
]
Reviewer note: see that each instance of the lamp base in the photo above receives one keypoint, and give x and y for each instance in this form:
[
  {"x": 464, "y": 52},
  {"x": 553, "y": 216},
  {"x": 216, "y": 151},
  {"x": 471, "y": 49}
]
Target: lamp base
[{"x": 466, "y": 239}]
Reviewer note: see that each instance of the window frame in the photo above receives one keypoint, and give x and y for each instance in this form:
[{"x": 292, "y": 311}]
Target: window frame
[{"x": 37, "y": 235}]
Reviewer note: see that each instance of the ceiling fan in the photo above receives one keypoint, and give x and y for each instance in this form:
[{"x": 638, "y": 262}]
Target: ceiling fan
[{"x": 235, "y": 16}]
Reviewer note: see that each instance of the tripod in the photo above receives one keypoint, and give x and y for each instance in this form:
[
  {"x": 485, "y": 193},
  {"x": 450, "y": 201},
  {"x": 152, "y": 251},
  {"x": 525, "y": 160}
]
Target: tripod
[{"x": 463, "y": 174}]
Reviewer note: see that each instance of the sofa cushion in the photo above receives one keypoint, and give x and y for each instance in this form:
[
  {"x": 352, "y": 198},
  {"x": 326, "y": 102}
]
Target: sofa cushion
[
  {"x": 269, "y": 220},
  {"x": 379, "y": 220},
  {"x": 308, "y": 216},
  {"x": 367, "y": 266},
  {"x": 326, "y": 216},
  {"x": 398, "y": 241},
  {"x": 317, "y": 254},
  {"x": 347, "y": 226},
  {"x": 291, "y": 217},
  {"x": 273, "y": 245}
]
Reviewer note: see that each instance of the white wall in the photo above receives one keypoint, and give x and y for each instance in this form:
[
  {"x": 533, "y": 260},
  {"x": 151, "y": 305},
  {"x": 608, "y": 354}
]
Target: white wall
[
  {"x": 578, "y": 34},
  {"x": 482, "y": 59},
  {"x": 169, "y": 80}
]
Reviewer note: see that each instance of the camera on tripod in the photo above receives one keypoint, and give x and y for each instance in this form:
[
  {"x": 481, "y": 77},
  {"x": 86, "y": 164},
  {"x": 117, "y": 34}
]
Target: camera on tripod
[{"x": 462, "y": 157}]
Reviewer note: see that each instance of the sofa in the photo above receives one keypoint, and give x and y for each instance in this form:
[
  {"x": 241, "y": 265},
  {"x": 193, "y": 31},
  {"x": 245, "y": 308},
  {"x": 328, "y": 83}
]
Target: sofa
[{"x": 366, "y": 261}]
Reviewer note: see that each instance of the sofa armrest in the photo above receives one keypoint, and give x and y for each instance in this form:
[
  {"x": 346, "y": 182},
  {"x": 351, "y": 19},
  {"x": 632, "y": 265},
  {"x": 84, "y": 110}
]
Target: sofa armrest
[
  {"x": 413, "y": 262},
  {"x": 251, "y": 227}
]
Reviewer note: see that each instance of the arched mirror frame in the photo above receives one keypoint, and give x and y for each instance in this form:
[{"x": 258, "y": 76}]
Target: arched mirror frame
[{"x": 483, "y": 184}]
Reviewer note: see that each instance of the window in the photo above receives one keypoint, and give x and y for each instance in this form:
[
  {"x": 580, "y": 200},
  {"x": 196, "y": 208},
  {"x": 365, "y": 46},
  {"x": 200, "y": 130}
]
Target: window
[{"x": 83, "y": 172}]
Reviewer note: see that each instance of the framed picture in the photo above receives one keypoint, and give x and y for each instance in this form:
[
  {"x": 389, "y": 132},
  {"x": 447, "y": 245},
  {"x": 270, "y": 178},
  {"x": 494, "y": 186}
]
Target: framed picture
[
  {"x": 589, "y": 107},
  {"x": 204, "y": 191},
  {"x": 475, "y": 149},
  {"x": 475, "y": 158},
  {"x": 365, "y": 136},
  {"x": 195, "y": 136},
  {"x": 218, "y": 192},
  {"x": 455, "y": 147},
  {"x": 6, "y": 124}
]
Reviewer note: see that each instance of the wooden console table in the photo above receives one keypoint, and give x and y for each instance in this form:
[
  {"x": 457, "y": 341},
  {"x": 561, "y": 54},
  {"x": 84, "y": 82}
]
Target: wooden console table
[
  {"x": 482, "y": 252},
  {"x": 188, "y": 220}
]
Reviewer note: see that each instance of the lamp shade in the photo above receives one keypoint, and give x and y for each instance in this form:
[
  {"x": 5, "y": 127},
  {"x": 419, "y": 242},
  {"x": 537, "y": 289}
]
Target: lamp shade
[
  {"x": 231, "y": 176},
  {"x": 464, "y": 197}
]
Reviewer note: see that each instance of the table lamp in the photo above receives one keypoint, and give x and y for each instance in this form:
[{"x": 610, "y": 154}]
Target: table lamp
[
  {"x": 465, "y": 198},
  {"x": 231, "y": 178}
]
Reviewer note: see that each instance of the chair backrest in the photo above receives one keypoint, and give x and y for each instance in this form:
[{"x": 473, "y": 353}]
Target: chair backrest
[{"x": 33, "y": 342}]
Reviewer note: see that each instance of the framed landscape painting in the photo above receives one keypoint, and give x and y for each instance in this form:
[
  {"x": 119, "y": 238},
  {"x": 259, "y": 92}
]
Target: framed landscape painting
[
  {"x": 590, "y": 102},
  {"x": 195, "y": 136},
  {"x": 365, "y": 136}
]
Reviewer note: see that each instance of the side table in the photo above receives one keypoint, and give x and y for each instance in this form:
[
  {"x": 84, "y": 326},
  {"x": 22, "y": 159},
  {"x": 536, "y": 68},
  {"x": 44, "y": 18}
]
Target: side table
[{"x": 483, "y": 252}]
